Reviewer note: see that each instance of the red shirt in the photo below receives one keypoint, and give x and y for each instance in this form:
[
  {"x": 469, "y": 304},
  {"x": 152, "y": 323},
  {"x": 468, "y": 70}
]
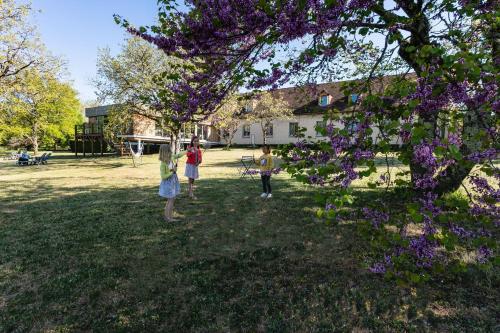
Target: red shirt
[{"x": 194, "y": 158}]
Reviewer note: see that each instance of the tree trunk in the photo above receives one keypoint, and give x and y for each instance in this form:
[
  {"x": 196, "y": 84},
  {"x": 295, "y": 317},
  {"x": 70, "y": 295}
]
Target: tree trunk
[
  {"x": 173, "y": 143},
  {"x": 174, "y": 140},
  {"x": 264, "y": 141},
  {"x": 35, "y": 145},
  {"x": 454, "y": 174},
  {"x": 34, "y": 138}
]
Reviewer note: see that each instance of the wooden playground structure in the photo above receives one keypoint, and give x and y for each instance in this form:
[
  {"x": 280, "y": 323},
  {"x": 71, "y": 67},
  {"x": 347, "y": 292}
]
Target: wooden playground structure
[{"x": 89, "y": 134}]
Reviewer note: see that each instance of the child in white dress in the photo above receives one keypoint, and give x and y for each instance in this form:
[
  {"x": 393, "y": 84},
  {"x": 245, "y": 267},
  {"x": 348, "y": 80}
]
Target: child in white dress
[{"x": 169, "y": 186}]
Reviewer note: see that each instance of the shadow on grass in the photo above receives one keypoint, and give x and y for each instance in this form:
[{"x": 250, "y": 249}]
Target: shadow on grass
[
  {"x": 104, "y": 260},
  {"x": 58, "y": 162}
]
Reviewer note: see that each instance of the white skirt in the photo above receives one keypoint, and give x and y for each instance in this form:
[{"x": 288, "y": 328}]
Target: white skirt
[
  {"x": 170, "y": 187},
  {"x": 191, "y": 171}
]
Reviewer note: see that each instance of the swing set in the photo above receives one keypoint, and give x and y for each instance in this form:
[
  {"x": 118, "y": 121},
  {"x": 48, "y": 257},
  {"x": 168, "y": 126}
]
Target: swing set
[{"x": 136, "y": 155}]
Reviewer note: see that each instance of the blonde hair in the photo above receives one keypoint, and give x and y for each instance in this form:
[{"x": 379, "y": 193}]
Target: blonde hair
[{"x": 165, "y": 153}]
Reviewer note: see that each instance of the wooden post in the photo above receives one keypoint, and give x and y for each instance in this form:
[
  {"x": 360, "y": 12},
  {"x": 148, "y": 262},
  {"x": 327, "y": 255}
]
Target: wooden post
[
  {"x": 102, "y": 138},
  {"x": 76, "y": 141},
  {"x": 84, "y": 137},
  {"x": 92, "y": 144}
]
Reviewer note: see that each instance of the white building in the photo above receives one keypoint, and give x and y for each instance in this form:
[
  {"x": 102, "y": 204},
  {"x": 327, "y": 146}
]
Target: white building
[{"x": 309, "y": 106}]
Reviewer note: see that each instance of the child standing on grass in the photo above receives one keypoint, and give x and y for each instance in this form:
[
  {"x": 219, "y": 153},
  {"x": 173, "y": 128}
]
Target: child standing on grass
[
  {"x": 265, "y": 163},
  {"x": 169, "y": 186},
  {"x": 193, "y": 161}
]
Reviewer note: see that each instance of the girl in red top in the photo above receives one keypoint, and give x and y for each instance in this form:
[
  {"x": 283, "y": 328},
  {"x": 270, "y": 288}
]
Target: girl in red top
[{"x": 193, "y": 160}]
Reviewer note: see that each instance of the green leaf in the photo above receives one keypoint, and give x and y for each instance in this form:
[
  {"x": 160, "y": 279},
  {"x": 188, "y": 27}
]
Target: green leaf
[
  {"x": 455, "y": 152},
  {"x": 410, "y": 49},
  {"x": 415, "y": 278}
]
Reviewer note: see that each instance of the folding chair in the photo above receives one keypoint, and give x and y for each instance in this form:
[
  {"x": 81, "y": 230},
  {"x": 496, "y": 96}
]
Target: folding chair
[
  {"x": 39, "y": 160},
  {"x": 246, "y": 163}
]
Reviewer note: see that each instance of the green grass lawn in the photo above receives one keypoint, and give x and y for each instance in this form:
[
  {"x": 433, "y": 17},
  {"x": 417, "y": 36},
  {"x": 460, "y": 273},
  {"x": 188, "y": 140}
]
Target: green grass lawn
[{"x": 83, "y": 247}]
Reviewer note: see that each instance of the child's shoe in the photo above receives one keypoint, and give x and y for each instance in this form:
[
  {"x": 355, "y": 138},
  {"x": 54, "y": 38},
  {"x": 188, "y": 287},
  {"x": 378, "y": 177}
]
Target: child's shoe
[
  {"x": 269, "y": 196},
  {"x": 263, "y": 195}
]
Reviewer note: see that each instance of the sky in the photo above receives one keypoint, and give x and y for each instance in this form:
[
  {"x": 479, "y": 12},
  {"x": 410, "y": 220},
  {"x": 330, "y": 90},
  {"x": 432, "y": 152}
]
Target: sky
[{"x": 75, "y": 29}]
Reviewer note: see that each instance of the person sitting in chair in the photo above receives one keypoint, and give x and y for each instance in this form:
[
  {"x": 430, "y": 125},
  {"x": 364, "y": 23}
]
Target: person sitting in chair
[{"x": 25, "y": 157}]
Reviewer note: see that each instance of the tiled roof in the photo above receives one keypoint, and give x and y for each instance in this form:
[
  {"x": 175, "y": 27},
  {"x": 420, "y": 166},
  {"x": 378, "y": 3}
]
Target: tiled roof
[{"x": 305, "y": 99}]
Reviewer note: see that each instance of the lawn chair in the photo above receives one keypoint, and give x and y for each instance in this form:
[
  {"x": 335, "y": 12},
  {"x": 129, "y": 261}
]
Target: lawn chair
[
  {"x": 39, "y": 160},
  {"x": 246, "y": 164},
  {"x": 21, "y": 162},
  {"x": 44, "y": 161}
]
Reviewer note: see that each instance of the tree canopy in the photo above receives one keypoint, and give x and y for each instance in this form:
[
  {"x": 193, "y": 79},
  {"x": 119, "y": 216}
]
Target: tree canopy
[
  {"x": 35, "y": 106},
  {"x": 136, "y": 81},
  {"x": 42, "y": 110},
  {"x": 20, "y": 45}
]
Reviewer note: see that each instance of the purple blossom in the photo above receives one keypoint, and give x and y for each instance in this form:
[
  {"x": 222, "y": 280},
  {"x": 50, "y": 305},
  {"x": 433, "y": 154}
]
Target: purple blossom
[
  {"x": 461, "y": 232},
  {"x": 480, "y": 156},
  {"x": 483, "y": 254},
  {"x": 330, "y": 206},
  {"x": 423, "y": 250},
  {"x": 316, "y": 180},
  {"x": 378, "y": 268},
  {"x": 375, "y": 217}
]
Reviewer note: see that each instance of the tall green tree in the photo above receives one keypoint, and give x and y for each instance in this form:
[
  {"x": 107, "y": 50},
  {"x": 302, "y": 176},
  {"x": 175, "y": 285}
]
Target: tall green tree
[
  {"x": 41, "y": 110},
  {"x": 135, "y": 80},
  {"x": 20, "y": 45}
]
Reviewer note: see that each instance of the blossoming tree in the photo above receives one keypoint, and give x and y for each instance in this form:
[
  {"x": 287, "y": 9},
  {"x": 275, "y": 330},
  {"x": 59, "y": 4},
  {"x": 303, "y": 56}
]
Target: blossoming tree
[
  {"x": 443, "y": 113},
  {"x": 266, "y": 108},
  {"x": 135, "y": 80},
  {"x": 228, "y": 118}
]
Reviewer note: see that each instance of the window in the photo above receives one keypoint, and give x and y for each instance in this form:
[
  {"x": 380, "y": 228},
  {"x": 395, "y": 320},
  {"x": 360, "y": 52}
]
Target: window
[
  {"x": 246, "y": 131},
  {"x": 248, "y": 107},
  {"x": 293, "y": 130},
  {"x": 269, "y": 131},
  {"x": 323, "y": 100},
  {"x": 351, "y": 126},
  {"x": 320, "y": 125},
  {"x": 203, "y": 132}
]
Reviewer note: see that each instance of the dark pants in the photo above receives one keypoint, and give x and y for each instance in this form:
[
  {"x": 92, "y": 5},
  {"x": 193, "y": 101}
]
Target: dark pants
[{"x": 266, "y": 183}]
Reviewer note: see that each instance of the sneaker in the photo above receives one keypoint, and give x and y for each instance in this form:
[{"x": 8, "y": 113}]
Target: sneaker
[
  {"x": 263, "y": 195},
  {"x": 269, "y": 196}
]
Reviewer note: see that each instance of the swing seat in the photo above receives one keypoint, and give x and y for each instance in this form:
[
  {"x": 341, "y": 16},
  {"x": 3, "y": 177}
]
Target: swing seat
[{"x": 136, "y": 156}]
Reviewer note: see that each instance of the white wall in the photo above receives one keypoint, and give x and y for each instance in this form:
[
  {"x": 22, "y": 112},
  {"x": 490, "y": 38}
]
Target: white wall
[{"x": 281, "y": 131}]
